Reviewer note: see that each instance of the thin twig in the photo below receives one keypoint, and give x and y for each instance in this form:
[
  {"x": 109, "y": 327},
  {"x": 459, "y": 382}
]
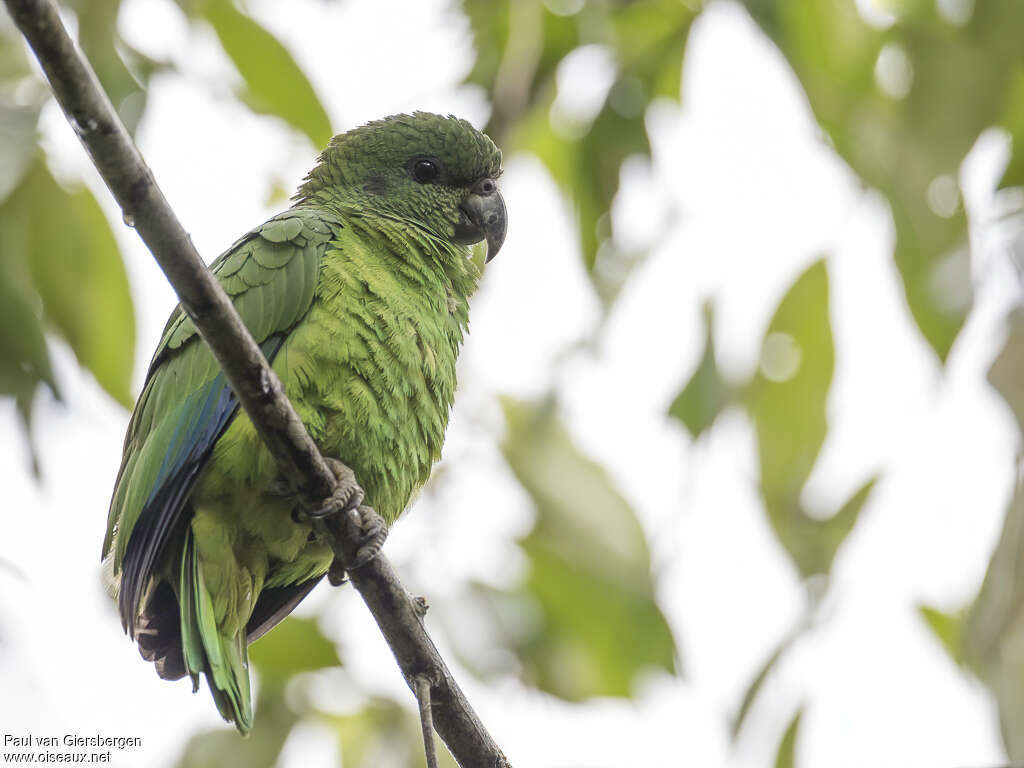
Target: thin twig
[
  {"x": 257, "y": 387},
  {"x": 422, "y": 688}
]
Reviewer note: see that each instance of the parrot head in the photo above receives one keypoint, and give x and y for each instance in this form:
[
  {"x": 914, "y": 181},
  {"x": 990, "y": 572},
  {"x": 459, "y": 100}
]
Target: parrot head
[{"x": 436, "y": 172}]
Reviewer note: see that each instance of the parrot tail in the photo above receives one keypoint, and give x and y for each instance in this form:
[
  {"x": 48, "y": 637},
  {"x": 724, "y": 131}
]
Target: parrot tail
[{"x": 222, "y": 659}]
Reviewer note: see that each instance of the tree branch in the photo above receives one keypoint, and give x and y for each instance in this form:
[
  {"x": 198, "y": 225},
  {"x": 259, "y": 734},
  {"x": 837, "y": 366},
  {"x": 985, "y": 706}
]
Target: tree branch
[
  {"x": 426, "y": 719},
  {"x": 257, "y": 387}
]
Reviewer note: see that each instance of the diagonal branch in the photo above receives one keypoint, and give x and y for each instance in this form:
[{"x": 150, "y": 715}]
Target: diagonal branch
[{"x": 257, "y": 387}]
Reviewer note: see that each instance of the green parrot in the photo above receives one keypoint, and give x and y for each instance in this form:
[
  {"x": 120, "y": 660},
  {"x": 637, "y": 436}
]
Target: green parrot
[{"x": 358, "y": 296}]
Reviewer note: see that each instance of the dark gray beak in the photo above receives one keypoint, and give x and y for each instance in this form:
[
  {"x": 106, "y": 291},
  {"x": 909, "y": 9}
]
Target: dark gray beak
[{"x": 483, "y": 218}]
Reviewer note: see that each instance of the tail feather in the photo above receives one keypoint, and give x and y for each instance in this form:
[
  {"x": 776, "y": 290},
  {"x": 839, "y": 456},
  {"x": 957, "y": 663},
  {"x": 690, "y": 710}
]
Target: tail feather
[
  {"x": 158, "y": 633},
  {"x": 222, "y": 659}
]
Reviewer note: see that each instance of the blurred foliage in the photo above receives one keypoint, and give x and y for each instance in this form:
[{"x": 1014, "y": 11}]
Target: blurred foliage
[
  {"x": 383, "y": 733},
  {"x": 274, "y": 84},
  {"x": 61, "y": 270},
  {"x": 1007, "y": 372},
  {"x": 947, "y": 628},
  {"x": 379, "y": 732},
  {"x": 262, "y": 747},
  {"x": 25, "y": 361},
  {"x": 295, "y": 646},
  {"x": 786, "y": 755},
  {"x": 1013, "y": 121},
  {"x": 595, "y": 623},
  {"x": 901, "y": 103},
  {"x": 76, "y": 272},
  {"x": 123, "y": 70},
  {"x": 992, "y": 637},
  {"x": 786, "y": 401},
  {"x": 520, "y": 44},
  {"x": 754, "y": 688},
  {"x": 903, "y": 106},
  {"x": 706, "y": 393}
]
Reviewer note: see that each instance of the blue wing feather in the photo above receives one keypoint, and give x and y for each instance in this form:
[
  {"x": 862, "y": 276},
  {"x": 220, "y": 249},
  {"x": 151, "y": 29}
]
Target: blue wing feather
[{"x": 205, "y": 415}]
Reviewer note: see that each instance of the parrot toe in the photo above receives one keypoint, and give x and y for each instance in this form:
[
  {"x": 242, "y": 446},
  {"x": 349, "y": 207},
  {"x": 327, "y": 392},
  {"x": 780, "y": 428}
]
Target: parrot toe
[
  {"x": 367, "y": 531},
  {"x": 347, "y": 495},
  {"x": 373, "y": 533}
]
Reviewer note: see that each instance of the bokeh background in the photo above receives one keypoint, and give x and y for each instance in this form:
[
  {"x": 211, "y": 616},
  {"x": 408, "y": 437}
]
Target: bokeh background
[{"x": 732, "y": 477}]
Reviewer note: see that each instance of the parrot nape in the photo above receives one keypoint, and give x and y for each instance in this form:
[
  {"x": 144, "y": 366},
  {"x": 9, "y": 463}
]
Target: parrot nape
[{"x": 358, "y": 296}]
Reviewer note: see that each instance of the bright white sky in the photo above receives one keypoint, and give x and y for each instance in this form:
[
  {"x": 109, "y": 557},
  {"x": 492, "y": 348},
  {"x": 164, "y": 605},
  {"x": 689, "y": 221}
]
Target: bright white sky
[{"x": 742, "y": 195}]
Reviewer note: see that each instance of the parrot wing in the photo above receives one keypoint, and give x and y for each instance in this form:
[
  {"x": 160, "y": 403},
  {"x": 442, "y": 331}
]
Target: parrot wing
[
  {"x": 274, "y": 604},
  {"x": 186, "y": 404}
]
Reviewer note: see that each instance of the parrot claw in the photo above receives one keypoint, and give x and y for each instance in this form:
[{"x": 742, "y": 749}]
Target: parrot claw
[
  {"x": 336, "y": 574},
  {"x": 347, "y": 495},
  {"x": 368, "y": 531},
  {"x": 372, "y": 534}
]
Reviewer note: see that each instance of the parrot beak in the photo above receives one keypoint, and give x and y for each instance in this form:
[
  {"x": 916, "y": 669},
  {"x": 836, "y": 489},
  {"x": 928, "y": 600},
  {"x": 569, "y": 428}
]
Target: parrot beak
[{"x": 483, "y": 218}]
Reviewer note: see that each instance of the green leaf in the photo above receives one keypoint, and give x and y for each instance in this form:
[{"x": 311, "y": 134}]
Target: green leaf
[
  {"x": 787, "y": 402},
  {"x": 589, "y": 569},
  {"x": 788, "y": 395},
  {"x": 24, "y": 358},
  {"x": 97, "y": 34},
  {"x": 785, "y": 757},
  {"x": 77, "y": 270},
  {"x": 706, "y": 394},
  {"x": 293, "y": 646},
  {"x": 274, "y": 83},
  {"x": 948, "y": 629}
]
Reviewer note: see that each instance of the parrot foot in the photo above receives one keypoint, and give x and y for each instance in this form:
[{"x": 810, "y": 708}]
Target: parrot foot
[
  {"x": 347, "y": 495},
  {"x": 369, "y": 535},
  {"x": 372, "y": 534}
]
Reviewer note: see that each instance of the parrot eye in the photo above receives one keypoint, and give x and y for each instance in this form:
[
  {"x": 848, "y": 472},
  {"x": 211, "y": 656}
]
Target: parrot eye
[{"x": 425, "y": 171}]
